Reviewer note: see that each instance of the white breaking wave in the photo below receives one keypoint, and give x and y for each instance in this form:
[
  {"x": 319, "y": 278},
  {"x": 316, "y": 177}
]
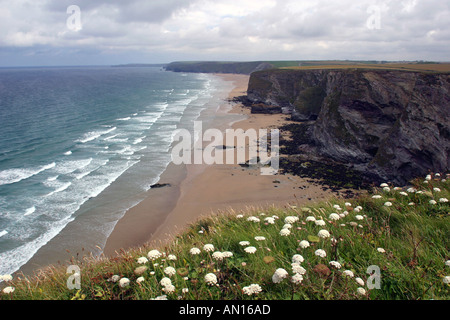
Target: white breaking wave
[
  {"x": 30, "y": 211},
  {"x": 15, "y": 175},
  {"x": 3, "y": 233},
  {"x": 94, "y": 135},
  {"x": 60, "y": 189}
]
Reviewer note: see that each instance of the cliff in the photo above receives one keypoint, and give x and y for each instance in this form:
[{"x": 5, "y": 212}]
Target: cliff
[{"x": 391, "y": 124}]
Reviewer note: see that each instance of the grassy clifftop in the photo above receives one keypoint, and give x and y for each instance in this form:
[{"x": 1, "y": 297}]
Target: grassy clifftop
[{"x": 323, "y": 251}]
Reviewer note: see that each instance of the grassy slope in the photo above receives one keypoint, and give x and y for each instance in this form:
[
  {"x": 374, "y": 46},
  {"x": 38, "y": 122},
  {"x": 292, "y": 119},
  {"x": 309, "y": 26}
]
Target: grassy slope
[
  {"x": 425, "y": 67},
  {"x": 415, "y": 239}
]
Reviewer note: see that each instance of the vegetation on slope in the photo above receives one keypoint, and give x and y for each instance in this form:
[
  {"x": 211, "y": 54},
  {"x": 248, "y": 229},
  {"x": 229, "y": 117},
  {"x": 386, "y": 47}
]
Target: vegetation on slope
[{"x": 317, "y": 252}]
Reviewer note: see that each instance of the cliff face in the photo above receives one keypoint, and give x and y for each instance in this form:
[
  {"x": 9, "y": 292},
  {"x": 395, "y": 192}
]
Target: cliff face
[{"x": 389, "y": 123}]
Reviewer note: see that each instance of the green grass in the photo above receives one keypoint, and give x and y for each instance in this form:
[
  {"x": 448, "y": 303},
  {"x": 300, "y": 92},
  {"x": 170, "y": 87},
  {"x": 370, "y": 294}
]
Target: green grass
[{"x": 415, "y": 238}]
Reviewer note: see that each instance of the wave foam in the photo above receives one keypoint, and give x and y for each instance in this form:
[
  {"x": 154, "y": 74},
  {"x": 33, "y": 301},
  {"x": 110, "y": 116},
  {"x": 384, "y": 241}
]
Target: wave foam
[
  {"x": 94, "y": 135},
  {"x": 11, "y": 176}
]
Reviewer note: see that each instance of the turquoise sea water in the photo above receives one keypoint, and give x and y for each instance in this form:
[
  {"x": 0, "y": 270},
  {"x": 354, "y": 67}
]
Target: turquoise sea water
[{"x": 74, "y": 139}]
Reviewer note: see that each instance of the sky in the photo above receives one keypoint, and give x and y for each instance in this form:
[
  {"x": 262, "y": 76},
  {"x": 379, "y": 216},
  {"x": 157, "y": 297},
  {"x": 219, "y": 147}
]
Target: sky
[{"x": 100, "y": 32}]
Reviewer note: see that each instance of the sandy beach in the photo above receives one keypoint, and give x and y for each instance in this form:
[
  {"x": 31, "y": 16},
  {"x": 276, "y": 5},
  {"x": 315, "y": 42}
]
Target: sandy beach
[{"x": 197, "y": 191}]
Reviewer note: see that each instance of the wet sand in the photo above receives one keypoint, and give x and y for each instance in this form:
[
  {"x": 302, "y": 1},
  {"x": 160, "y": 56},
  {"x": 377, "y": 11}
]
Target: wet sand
[{"x": 197, "y": 191}]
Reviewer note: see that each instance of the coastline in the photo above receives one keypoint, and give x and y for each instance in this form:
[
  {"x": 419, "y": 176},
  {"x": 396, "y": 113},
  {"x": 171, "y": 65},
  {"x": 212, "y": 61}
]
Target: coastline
[{"x": 197, "y": 191}]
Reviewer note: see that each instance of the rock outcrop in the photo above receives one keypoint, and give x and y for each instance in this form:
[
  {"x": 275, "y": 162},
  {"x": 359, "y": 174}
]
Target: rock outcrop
[{"x": 393, "y": 124}]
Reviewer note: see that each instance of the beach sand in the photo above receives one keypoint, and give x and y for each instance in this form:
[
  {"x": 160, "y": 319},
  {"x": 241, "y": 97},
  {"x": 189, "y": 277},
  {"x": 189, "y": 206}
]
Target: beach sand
[{"x": 197, "y": 191}]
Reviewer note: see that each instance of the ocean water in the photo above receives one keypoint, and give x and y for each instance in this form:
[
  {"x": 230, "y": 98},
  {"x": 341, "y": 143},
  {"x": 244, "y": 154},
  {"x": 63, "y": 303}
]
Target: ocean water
[{"x": 86, "y": 142}]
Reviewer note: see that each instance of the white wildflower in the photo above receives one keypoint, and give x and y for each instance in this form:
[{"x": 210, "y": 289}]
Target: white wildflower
[
  {"x": 124, "y": 282},
  {"x": 443, "y": 200},
  {"x": 361, "y": 291},
  {"x": 428, "y": 177},
  {"x": 297, "y": 258},
  {"x": 433, "y": 202},
  {"x": 411, "y": 190},
  {"x": 194, "y": 251},
  {"x": 227, "y": 254},
  {"x": 8, "y": 290},
  {"x": 353, "y": 223},
  {"x": 337, "y": 207},
  {"x": 140, "y": 280},
  {"x": 320, "y": 253},
  {"x": 114, "y": 278},
  {"x": 239, "y": 216},
  {"x": 218, "y": 255},
  {"x": 310, "y": 218},
  {"x": 447, "y": 263},
  {"x": 244, "y": 243},
  {"x": 169, "y": 289},
  {"x": 170, "y": 271},
  {"x": 411, "y": 204},
  {"x": 446, "y": 280},
  {"x": 287, "y": 226},
  {"x": 335, "y": 264},
  {"x": 259, "y": 238},
  {"x": 165, "y": 282},
  {"x": 154, "y": 254},
  {"x": 348, "y": 204},
  {"x": 359, "y": 217},
  {"x": 285, "y": 232},
  {"x": 253, "y": 219},
  {"x": 279, "y": 275},
  {"x": 359, "y": 281},
  {"x": 297, "y": 268},
  {"x": 348, "y": 273},
  {"x": 6, "y": 277},
  {"x": 290, "y": 220},
  {"x": 388, "y": 204},
  {"x": 335, "y": 216},
  {"x": 323, "y": 234},
  {"x": 377, "y": 196},
  {"x": 208, "y": 247},
  {"x": 270, "y": 220},
  {"x": 383, "y": 185},
  {"x": 250, "y": 250},
  {"x": 304, "y": 244},
  {"x": 184, "y": 290},
  {"x": 386, "y": 189},
  {"x": 297, "y": 278},
  {"x": 142, "y": 260},
  {"x": 436, "y": 190},
  {"x": 171, "y": 257},
  {"x": 164, "y": 297},
  {"x": 381, "y": 250},
  {"x": 319, "y": 223},
  {"x": 211, "y": 279},
  {"x": 403, "y": 193},
  {"x": 356, "y": 210},
  {"x": 252, "y": 289}
]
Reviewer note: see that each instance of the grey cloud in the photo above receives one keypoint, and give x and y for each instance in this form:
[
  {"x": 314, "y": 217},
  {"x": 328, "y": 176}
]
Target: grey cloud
[{"x": 154, "y": 11}]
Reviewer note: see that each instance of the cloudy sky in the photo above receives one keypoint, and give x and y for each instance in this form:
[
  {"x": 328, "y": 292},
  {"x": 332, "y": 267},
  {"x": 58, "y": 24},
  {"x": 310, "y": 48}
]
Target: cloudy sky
[{"x": 55, "y": 32}]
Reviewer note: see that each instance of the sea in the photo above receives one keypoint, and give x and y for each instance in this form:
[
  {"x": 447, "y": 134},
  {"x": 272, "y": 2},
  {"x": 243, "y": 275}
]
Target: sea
[{"x": 87, "y": 142}]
